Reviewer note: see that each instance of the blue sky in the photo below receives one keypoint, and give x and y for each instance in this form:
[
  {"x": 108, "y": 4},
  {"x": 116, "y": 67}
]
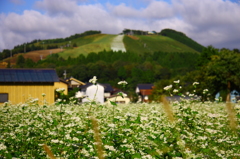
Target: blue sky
[{"x": 209, "y": 22}]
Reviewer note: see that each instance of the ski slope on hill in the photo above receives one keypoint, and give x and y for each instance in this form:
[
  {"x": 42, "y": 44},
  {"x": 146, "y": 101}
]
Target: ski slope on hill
[{"x": 117, "y": 44}]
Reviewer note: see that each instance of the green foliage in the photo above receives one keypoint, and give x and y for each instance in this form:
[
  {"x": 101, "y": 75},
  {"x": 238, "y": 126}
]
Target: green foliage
[
  {"x": 20, "y": 61},
  {"x": 154, "y": 43},
  {"x": 130, "y": 66},
  {"x": 222, "y": 72},
  {"x": 181, "y": 37}
]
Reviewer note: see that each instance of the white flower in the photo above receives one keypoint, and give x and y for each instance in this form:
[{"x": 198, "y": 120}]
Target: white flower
[
  {"x": 58, "y": 100},
  {"x": 167, "y": 87},
  {"x": 3, "y": 147},
  {"x": 55, "y": 141},
  {"x": 213, "y": 115},
  {"x": 93, "y": 80},
  {"x": 122, "y": 83},
  {"x": 111, "y": 148},
  {"x": 111, "y": 125},
  {"x": 176, "y": 81},
  {"x": 191, "y": 95},
  {"x": 175, "y": 90},
  {"x": 79, "y": 95},
  {"x": 43, "y": 94},
  {"x": 60, "y": 90},
  {"x": 205, "y": 91},
  {"x": 195, "y": 83}
]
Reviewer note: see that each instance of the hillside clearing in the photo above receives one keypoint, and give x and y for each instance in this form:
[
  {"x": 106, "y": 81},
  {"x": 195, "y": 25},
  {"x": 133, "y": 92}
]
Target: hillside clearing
[
  {"x": 34, "y": 55},
  {"x": 117, "y": 44}
]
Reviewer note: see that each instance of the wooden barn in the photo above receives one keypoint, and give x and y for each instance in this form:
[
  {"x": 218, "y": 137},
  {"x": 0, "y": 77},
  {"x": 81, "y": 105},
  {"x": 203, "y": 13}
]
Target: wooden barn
[{"x": 20, "y": 85}]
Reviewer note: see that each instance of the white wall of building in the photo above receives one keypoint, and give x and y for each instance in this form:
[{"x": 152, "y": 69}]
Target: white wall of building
[{"x": 94, "y": 92}]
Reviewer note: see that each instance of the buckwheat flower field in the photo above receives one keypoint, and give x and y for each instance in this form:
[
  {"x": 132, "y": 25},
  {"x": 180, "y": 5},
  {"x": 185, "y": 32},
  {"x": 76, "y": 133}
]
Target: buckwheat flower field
[{"x": 196, "y": 130}]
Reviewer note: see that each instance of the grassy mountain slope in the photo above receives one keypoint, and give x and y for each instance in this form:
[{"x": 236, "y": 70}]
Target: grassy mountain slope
[
  {"x": 87, "y": 44},
  {"x": 168, "y": 41},
  {"x": 153, "y": 43},
  {"x": 181, "y": 37}
]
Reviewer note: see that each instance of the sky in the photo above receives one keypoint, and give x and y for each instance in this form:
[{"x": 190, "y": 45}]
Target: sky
[{"x": 208, "y": 22}]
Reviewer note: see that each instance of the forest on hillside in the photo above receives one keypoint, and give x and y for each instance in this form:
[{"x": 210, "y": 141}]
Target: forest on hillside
[
  {"x": 111, "y": 66},
  {"x": 216, "y": 70},
  {"x": 41, "y": 44}
]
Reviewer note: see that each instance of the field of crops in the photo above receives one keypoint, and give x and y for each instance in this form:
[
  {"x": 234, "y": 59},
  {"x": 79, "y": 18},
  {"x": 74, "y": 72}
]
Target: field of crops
[{"x": 184, "y": 129}]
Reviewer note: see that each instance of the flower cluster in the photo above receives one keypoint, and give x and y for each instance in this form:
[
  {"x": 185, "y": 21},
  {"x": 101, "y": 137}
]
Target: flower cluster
[
  {"x": 167, "y": 87},
  {"x": 93, "y": 80},
  {"x": 60, "y": 90},
  {"x": 195, "y": 83},
  {"x": 122, "y": 83}
]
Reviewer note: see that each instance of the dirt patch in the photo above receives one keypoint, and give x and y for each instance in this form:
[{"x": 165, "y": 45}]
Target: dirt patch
[
  {"x": 133, "y": 37},
  {"x": 34, "y": 55}
]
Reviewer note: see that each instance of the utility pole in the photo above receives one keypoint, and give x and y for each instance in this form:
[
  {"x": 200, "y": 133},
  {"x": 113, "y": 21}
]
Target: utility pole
[{"x": 65, "y": 74}]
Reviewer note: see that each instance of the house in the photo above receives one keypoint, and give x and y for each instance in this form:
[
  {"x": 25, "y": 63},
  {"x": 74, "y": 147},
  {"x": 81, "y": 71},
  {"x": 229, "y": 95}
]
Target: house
[
  {"x": 19, "y": 85},
  {"x": 234, "y": 96},
  {"x": 144, "y": 90},
  {"x": 92, "y": 92},
  {"x": 119, "y": 99},
  {"x": 100, "y": 91},
  {"x": 152, "y": 32},
  {"x": 108, "y": 90},
  {"x": 74, "y": 83}
]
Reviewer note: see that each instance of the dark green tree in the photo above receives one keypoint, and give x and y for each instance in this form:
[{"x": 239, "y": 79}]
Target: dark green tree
[
  {"x": 20, "y": 61},
  {"x": 29, "y": 63},
  {"x": 222, "y": 72}
]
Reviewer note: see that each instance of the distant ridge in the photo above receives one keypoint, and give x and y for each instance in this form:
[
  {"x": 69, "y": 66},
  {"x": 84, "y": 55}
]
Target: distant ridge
[
  {"x": 137, "y": 41},
  {"x": 181, "y": 37}
]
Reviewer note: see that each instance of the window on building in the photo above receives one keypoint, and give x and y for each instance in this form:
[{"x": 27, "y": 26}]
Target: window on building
[{"x": 3, "y": 97}]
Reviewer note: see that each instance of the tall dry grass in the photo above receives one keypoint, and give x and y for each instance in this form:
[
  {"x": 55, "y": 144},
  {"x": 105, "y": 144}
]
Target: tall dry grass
[
  {"x": 231, "y": 114},
  {"x": 49, "y": 152},
  {"x": 167, "y": 108},
  {"x": 97, "y": 138}
]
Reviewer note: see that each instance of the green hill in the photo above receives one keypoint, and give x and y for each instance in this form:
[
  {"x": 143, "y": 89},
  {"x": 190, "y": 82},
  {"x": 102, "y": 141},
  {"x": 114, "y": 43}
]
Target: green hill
[
  {"x": 88, "y": 44},
  {"x": 133, "y": 43},
  {"x": 94, "y": 41},
  {"x": 153, "y": 43},
  {"x": 182, "y": 38}
]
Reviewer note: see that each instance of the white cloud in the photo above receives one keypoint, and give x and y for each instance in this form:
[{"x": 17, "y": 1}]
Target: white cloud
[
  {"x": 53, "y": 7},
  {"x": 208, "y": 22},
  {"x": 215, "y": 22},
  {"x": 17, "y": 2},
  {"x": 158, "y": 10}
]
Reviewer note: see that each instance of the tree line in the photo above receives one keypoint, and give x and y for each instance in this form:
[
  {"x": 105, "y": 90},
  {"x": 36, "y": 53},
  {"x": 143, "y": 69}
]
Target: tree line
[
  {"x": 111, "y": 67},
  {"x": 216, "y": 71},
  {"x": 39, "y": 44}
]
